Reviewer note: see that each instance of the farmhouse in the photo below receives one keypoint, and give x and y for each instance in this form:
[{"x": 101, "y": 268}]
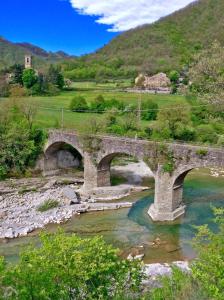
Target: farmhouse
[{"x": 158, "y": 83}]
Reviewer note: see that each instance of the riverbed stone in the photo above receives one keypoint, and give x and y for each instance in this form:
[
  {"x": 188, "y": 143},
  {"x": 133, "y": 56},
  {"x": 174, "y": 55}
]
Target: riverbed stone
[{"x": 69, "y": 196}]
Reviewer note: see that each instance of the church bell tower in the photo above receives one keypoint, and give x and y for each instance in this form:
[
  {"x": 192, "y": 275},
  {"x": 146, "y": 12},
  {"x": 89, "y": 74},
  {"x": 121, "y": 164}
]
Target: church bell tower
[{"x": 28, "y": 61}]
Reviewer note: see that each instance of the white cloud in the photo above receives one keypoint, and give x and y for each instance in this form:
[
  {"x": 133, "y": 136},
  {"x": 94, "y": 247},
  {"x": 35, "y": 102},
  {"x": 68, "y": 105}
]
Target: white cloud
[{"x": 122, "y": 15}]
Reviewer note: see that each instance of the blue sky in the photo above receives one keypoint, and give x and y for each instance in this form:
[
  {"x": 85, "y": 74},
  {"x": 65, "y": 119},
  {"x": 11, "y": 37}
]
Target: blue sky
[{"x": 77, "y": 26}]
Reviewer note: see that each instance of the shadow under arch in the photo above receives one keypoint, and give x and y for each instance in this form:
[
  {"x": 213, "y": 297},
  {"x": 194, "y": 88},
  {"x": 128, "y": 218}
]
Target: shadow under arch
[{"x": 62, "y": 155}]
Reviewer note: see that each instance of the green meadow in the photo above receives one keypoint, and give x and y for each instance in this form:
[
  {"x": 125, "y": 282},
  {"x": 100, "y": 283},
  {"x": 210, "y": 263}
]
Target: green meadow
[{"x": 53, "y": 112}]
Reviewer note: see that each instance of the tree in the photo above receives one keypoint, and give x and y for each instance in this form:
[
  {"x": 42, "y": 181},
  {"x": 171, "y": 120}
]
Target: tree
[
  {"x": 29, "y": 111},
  {"x": 207, "y": 76},
  {"x": 55, "y": 76},
  {"x": 21, "y": 142},
  {"x": 150, "y": 110},
  {"x": 206, "y": 134},
  {"x": 29, "y": 78},
  {"x": 78, "y": 104},
  {"x": 208, "y": 269},
  {"x": 174, "y": 122},
  {"x": 98, "y": 104},
  {"x": 41, "y": 86},
  {"x": 17, "y": 72},
  {"x": 174, "y": 76},
  {"x": 69, "y": 267}
]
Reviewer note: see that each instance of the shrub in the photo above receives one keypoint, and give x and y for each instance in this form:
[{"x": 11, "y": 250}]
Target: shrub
[
  {"x": 206, "y": 134},
  {"x": 70, "y": 267},
  {"x": 150, "y": 110},
  {"x": 174, "y": 76},
  {"x": 98, "y": 104},
  {"x": 114, "y": 103},
  {"x": 79, "y": 104},
  {"x": 221, "y": 141},
  {"x": 202, "y": 152},
  {"x": 47, "y": 205}
]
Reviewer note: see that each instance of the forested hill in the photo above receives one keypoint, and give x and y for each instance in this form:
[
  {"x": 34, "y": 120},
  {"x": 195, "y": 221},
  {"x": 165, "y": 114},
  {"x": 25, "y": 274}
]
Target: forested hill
[
  {"x": 11, "y": 53},
  {"x": 168, "y": 43}
]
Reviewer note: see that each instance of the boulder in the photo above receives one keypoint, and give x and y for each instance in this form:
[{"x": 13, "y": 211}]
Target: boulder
[
  {"x": 69, "y": 196},
  {"x": 9, "y": 233}
]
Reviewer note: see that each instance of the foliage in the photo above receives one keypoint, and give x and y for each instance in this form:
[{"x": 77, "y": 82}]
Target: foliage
[
  {"x": 207, "y": 76},
  {"x": 202, "y": 152},
  {"x": 206, "y": 134},
  {"x": 17, "y": 71},
  {"x": 150, "y": 110},
  {"x": 21, "y": 142},
  {"x": 17, "y": 91},
  {"x": 208, "y": 269},
  {"x": 68, "y": 267},
  {"x": 174, "y": 76},
  {"x": 98, "y": 104},
  {"x": 47, "y": 205},
  {"x": 174, "y": 122},
  {"x": 29, "y": 78},
  {"x": 79, "y": 104},
  {"x": 55, "y": 76}
]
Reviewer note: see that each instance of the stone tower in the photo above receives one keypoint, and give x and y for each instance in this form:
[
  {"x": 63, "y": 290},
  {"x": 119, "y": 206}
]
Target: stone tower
[{"x": 28, "y": 61}]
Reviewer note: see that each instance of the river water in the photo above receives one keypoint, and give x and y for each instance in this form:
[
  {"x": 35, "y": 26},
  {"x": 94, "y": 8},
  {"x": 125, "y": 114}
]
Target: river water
[{"x": 130, "y": 228}]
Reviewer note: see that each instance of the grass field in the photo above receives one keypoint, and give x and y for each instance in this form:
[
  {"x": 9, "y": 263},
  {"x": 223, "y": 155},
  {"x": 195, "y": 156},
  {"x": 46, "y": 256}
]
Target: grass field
[{"x": 49, "y": 109}]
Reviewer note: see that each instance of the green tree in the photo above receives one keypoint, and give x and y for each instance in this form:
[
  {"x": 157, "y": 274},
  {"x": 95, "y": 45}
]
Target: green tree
[
  {"x": 68, "y": 267},
  {"x": 55, "y": 76},
  {"x": 98, "y": 104},
  {"x": 206, "y": 134},
  {"x": 174, "y": 122},
  {"x": 208, "y": 269},
  {"x": 17, "y": 72},
  {"x": 29, "y": 78},
  {"x": 79, "y": 104},
  {"x": 174, "y": 76},
  {"x": 150, "y": 110}
]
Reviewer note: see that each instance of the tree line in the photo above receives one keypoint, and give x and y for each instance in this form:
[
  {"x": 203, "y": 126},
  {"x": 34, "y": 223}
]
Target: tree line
[{"x": 33, "y": 82}]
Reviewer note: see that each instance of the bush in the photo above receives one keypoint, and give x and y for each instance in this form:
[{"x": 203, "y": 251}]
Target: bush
[
  {"x": 206, "y": 134},
  {"x": 221, "y": 141},
  {"x": 150, "y": 110},
  {"x": 98, "y": 104},
  {"x": 114, "y": 103},
  {"x": 174, "y": 76},
  {"x": 47, "y": 205},
  {"x": 69, "y": 267},
  {"x": 78, "y": 104}
]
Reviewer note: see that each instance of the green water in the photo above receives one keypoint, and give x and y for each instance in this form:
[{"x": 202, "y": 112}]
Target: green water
[{"x": 129, "y": 228}]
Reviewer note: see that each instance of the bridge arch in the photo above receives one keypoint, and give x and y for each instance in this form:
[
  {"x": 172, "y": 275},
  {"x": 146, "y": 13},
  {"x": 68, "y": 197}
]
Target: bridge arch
[
  {"x": 104, "y": 166},
  {"x": 61, "y": 155}
]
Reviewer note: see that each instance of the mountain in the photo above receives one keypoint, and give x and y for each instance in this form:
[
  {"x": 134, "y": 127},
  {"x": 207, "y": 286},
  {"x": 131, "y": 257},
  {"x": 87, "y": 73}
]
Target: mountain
[
  {"x": 168, "y": 43},
  {"x": 11, "y": 53}
]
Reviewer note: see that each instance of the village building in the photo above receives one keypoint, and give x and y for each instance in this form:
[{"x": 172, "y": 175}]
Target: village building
[{"x": 158, "y": 83}]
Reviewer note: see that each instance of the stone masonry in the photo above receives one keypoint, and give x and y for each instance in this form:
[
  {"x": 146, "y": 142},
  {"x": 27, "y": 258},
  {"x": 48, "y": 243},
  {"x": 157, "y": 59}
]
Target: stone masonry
[{"x": 169, "y": 162}]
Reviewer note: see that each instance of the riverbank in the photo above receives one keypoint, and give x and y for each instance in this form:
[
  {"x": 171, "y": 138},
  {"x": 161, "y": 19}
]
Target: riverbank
[
  {"x": 26, "y": 204},
  {"x": 21, "y": 202}
]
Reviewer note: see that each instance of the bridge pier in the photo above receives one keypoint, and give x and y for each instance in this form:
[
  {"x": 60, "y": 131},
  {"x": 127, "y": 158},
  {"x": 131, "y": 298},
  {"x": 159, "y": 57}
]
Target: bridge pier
[
  {"x": 90, "y": 173},
  {"x": 167, "y": 204}
]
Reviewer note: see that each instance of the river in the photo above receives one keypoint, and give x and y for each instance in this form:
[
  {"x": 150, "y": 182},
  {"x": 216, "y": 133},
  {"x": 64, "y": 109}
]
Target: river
[{"x": 130, "y": 228}]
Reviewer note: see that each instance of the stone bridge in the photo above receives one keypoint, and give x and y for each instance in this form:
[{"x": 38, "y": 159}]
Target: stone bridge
[{"x": 169, "y": 162}]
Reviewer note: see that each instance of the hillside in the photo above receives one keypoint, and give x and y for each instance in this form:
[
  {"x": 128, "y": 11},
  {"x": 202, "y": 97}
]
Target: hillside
[
  {"x": 11, "y": 53},
  {"x": 168, "y": 43}
]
